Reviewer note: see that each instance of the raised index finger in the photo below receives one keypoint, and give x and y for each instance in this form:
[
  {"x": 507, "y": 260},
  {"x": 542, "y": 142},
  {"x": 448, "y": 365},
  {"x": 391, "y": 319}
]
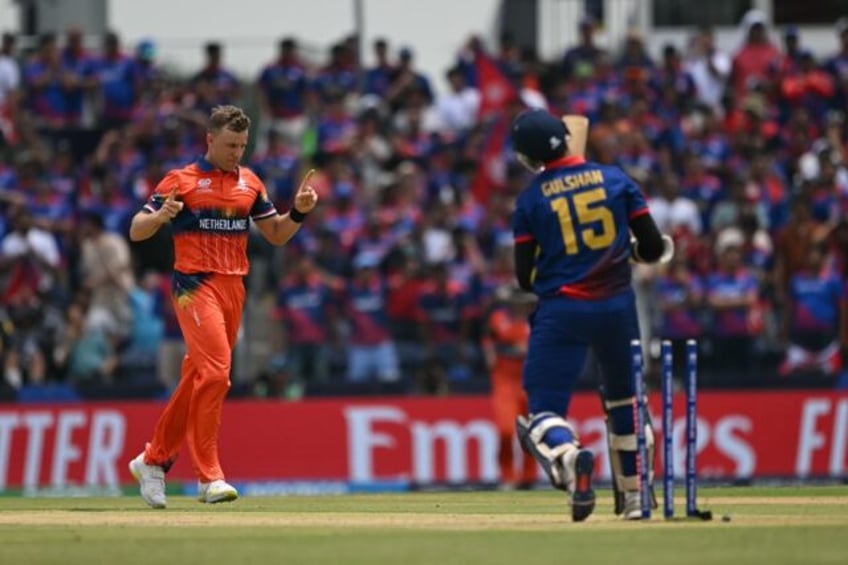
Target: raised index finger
[
  {"x": 306, "y": 178},
  {"x": 173, "y": 195}
]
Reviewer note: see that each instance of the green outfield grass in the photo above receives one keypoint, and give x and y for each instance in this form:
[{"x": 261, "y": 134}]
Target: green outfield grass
[{"x": 773, "y": 526}]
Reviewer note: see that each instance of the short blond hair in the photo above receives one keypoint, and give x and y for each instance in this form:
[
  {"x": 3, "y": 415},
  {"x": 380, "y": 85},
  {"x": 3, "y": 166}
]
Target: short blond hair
[{"x": 228, "y": 117}]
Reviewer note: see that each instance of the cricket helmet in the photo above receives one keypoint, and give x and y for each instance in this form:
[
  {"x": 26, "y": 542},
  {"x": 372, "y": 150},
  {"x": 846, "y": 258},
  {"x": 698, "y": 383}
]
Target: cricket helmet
[{"x": 539, "y": 136}]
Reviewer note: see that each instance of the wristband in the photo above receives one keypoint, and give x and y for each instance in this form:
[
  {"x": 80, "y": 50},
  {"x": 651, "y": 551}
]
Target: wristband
[
  {"x": 667, "y": 252},
  {"x": 296, "y": 215},
  {"x": 668, "y": 249}
]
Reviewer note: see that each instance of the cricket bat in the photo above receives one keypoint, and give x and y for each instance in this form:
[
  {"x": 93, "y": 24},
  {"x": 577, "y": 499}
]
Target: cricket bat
[{"x": 578, "y": 128}]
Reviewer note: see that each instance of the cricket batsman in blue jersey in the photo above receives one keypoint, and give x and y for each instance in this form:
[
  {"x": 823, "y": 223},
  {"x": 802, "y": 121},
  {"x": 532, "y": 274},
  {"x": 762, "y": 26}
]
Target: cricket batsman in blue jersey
[{"x": 577, "y": 227}]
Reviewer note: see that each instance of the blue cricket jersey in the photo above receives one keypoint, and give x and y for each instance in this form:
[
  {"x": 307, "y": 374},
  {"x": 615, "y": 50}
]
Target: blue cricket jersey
[{"x": 579, "y": 213}]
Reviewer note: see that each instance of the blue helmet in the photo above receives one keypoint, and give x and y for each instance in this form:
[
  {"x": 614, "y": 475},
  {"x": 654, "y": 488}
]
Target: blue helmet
[{"x": 539, "y": 136}]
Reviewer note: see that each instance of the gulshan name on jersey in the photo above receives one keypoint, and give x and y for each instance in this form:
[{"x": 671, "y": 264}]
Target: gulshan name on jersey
[
  {"x": 571, "y": 182},
  {"x": 223, "y": 224}
]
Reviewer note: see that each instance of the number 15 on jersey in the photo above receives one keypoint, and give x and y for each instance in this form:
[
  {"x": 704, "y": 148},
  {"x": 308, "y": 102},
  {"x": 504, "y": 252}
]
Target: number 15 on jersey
[{"x": 590, "y": 220}]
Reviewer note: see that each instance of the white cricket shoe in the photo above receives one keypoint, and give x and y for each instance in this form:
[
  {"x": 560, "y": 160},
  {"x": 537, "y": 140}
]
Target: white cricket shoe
[
  {"x": 216, "y": 491},
  {"x": 151, "y": 480},
  {"x": 632, "y": 505}
]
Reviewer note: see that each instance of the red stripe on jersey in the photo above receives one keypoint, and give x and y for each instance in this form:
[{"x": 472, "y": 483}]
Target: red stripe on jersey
[
  {"x": 524, "y": 238},
  {"x": 639, "y": 212},
  {"x": 576, "y": 292},
  {"x": 569, "y": 161}
]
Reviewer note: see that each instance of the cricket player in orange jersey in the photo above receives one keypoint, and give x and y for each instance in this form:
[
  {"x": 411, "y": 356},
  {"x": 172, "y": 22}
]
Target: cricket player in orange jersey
[
  {"x": 209, "y": 204},
  {"x": 505, "y": 347}
]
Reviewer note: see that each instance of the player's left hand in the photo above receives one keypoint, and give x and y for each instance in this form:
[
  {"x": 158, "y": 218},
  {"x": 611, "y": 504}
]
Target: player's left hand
[{"x": 306, "y": 197}]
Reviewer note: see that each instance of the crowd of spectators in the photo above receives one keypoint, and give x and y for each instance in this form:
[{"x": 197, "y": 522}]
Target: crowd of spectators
[{"x": 741, "y": 151}]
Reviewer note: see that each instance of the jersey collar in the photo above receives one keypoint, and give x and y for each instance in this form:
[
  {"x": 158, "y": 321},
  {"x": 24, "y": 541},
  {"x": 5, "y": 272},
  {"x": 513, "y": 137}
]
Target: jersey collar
[
  {"x": 568, "y": 161},
  {"x": 205, "y": 166}
]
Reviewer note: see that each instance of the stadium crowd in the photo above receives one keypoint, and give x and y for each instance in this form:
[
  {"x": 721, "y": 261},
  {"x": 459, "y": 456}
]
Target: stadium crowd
[{"x": 741, "y": 151}]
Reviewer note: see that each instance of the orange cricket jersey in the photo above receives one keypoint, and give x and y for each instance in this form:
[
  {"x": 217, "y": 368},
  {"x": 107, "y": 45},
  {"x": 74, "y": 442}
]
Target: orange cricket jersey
[
  {"x": 210, "y": 232},
  {"x": 509, "y": 334}
]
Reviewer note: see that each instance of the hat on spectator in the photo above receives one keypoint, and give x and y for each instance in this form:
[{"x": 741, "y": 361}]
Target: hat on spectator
[
  {"x": 728, "y": 238},
  {"x": 146, "y": 50}
]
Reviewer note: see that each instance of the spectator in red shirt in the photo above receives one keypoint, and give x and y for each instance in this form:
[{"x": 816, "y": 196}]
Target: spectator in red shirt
[
  {"x": 757, "y": 56},
  {"x": 808, "y": 86},
  {"x": 407, "y": 284}
]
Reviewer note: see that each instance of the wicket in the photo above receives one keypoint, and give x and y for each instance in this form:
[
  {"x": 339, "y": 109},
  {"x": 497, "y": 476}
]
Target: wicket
[
  {"x": 639, "y": 423},
  {"x": 667, "y": 358}
]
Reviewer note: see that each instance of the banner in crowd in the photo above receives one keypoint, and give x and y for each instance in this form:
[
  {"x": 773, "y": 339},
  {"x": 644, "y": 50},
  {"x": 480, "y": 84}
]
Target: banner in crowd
[{"x": 401, "y": 443}]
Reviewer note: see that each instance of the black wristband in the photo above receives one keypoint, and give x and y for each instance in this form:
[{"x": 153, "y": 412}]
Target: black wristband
[{"x": 296, "y": 215}]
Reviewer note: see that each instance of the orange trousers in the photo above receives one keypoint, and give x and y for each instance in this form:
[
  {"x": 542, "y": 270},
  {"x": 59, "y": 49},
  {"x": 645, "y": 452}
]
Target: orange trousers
[
  {"x": 209, "y": 317},
  {"x": 508, "y": 401}
]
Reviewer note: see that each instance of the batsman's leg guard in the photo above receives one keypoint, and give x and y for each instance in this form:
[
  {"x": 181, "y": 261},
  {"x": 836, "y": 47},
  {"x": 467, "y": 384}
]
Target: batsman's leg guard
[
  {"x": 615, "y": 463},
  {"x": 621, "y": 440},
  {"x": 553, "y": 443},
  {"x": 549, "y": 439}
]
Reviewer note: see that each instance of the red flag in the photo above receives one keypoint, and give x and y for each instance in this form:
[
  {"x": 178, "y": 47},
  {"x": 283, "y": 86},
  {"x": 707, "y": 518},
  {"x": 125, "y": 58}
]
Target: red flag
[
  {"x": 496, "y": 91},
  {"x": 7, "y": 124},
  {"x": 491, "y": 169}
]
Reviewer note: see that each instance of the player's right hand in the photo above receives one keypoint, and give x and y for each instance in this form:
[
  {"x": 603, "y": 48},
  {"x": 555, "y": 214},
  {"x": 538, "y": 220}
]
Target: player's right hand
[{"x": 171, "y": 207}]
